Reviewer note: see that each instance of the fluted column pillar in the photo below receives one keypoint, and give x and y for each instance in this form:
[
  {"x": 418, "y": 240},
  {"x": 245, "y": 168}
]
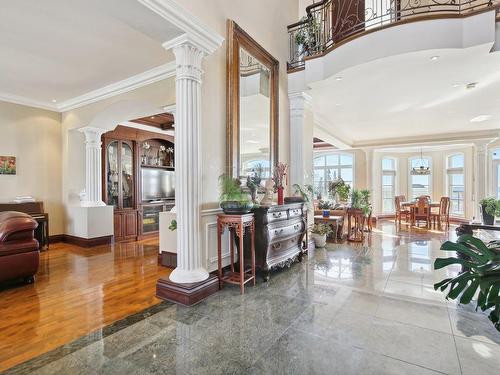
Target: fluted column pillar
[
  {"x": 188, "y": 172},
  {"x": 93, "y": 167},
  {"x": 301, "y": 140},
  {"x": 480, "y": 168}
]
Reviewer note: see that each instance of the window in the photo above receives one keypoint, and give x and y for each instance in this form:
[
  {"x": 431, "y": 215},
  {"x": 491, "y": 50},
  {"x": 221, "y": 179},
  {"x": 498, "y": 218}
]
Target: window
[
  {"x": 388, "y": 184},
  {"x": 496, "y": 172},
  {"x": 329, "y": 167},
  {"x": 456, "y": 183},
  {"x": 419, "y": 184}
]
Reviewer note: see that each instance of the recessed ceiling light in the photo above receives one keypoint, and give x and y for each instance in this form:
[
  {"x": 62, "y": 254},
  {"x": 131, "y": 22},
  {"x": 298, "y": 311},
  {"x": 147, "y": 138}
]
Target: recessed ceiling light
[
  {"x": 338, "y": 78},
  {"x": 434, "y": 58},
  {"x": 54, "y": 101},
  {"x": 481, "y": 118},
  {"x": 253, "y": 142},
  {"x": 338, "y": 104},
  {"x": 457, "y": 85},
  {"x": 152, "y": 117},
  {"x": 471, "y": 85}
]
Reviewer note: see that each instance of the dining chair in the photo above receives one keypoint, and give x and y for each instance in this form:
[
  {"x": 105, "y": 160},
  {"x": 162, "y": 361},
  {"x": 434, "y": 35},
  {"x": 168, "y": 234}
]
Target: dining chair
[
  {"x": 400, "y": 211},
  {"x": 422, "y": 211},
  {"x": 443, "y": 214}
]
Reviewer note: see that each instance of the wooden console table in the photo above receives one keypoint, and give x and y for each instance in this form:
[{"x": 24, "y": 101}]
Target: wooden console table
[
  {"x": 237, "y": 225},
  {"x": 355, "y": 225}
]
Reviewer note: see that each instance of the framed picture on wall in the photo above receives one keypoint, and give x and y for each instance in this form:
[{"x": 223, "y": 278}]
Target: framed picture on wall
[{"x": 7, "y": 165}]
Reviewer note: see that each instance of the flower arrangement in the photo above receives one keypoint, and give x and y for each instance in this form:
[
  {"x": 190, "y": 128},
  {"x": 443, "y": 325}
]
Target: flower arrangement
[
  {"x": 279, "y": 179},
  {"x": 279, "y": 175},
  {"x": 253, "y": 181}
]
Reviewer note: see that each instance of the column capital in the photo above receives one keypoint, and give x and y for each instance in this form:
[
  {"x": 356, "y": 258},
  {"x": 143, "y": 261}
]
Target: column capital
[
  {"x": 92, "y": 136},
  {"x": 189, "y": 55},
  {"x": 298, "y": 102}
]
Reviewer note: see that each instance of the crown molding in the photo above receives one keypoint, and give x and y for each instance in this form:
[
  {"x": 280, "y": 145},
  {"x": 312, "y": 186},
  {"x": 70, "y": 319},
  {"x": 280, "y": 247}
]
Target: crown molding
[
  {"x": 140, "y": 80},
  {"x": 433, "y": 139},
  {"x": 196, "y": 32},
  {"x": 21, "y": 100},
  {"x": 143, "y": 79}
]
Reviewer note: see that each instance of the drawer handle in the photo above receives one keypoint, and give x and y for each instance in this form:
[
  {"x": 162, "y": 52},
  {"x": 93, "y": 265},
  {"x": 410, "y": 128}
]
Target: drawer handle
[
  {"x": 296, "y": 226},
  {"x": 276, "y": 215},
  {"x": 276, "y": 246},
  {"x": 278, "y": 231}
]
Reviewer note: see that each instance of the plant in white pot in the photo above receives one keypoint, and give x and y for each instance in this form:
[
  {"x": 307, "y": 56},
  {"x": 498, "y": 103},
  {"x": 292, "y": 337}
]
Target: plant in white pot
[{"x": 319, "y": 231}]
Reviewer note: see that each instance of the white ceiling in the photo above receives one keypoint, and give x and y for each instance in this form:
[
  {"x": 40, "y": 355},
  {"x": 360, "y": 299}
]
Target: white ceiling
[
  {"x": 62, "y": 49},
  {"x": 409, "y": 96}
]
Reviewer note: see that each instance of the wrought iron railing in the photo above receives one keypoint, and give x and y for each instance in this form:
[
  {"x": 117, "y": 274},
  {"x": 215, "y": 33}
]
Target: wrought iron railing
[{"x": 329, "y": 22}]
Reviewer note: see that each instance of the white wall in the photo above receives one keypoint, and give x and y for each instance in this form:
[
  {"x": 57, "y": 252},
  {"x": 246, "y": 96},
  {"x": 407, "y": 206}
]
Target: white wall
[
  {"x": 266, "y": 22},
  {"x": 33, "y": 136}
]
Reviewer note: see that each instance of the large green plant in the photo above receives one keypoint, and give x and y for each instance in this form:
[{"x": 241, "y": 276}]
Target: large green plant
[
  {"x": 304, "y": 191},
  {"x": 360, "y": 199},
  {"x": 491, "y": 206},
  {"x": 230, "y": 190},
  {"x": 340, "y": 189},
  {"x": 480, "y": 274}
]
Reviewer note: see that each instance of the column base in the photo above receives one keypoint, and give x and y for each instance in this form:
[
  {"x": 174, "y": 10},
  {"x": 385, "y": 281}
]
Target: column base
[
  {"x": 186, "y": 294},
  {"x": 182, "y": 276}
]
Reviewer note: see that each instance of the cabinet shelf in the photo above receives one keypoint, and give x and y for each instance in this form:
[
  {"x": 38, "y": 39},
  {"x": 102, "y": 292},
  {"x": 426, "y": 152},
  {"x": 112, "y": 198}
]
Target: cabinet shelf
[{"x": 157, "y": 167}]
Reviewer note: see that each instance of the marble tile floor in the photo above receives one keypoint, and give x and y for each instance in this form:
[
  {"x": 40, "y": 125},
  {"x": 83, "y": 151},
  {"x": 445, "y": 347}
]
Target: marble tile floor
[{"x": 346, "y": 309}]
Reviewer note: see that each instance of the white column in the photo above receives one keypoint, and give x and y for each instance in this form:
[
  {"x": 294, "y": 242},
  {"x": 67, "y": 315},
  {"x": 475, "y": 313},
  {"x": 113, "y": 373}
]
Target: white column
[
  {"x": 301, "y": 140},
  {"x": 188, "y": 57},
  {"x": 93, "y": 167},
  {"x": 369, "y": 169},
  {"x": 480, "y": 174}
]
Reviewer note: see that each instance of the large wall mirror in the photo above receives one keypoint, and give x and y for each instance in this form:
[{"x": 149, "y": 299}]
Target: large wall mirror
[{"x": 252, "y": 105}]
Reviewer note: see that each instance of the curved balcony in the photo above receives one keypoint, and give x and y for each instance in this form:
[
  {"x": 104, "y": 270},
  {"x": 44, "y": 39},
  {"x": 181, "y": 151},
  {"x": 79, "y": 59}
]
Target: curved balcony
[{"x": 331, "y": 23}]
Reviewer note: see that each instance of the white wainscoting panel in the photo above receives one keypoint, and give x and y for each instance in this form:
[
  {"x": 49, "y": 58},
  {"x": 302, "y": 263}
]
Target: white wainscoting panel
[{"x": 209, "y": 240}]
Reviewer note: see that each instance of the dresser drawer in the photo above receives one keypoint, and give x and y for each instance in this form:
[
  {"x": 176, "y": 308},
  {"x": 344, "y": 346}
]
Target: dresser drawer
[
  {"x": 286, "y": 231},
  {"x": 277, "y": 216},
  {"x": 295, "y": 212},
  {"x": 277, "y": 248}
]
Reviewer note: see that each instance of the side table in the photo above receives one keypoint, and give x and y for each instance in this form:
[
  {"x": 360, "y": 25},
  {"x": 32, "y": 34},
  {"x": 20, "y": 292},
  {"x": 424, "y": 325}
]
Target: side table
[
  {"x": 237, "y": 225},
  {"x": 355, "y": 225}
]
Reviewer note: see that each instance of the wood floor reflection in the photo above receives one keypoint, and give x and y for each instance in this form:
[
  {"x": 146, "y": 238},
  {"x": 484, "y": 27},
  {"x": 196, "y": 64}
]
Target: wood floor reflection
[{"x": 77, "y": 291}]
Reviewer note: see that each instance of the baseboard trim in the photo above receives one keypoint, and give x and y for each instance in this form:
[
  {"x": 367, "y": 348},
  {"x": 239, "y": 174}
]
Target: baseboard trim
[
  {"x": 56, "y": 238},
  {"x": 167, "y": 259},
  {"x": 86, "y": 242},
  {"x": 186, "y": 294}
]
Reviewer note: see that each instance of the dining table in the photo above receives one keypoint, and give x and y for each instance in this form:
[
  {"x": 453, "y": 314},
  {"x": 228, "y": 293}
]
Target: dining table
[{"x": 412, "y": 205}]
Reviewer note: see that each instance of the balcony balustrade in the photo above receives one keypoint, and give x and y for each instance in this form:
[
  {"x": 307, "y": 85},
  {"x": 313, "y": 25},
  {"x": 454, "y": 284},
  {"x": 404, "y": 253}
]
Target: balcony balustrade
[{"x": 329, "y": 23}]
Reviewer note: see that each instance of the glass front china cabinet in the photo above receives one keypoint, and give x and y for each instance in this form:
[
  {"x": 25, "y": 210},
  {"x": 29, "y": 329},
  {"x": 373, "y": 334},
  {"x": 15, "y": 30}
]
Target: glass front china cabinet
[{"x": 120, "y": 181}]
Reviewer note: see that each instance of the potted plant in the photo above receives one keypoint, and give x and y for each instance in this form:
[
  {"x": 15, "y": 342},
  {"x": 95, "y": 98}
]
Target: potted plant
[
  {"x": 306, "y": 37},
  {"x": 300, "y": 194},
  {"x": 319, "y": 231},
  {"x": 360, "y": 200},
  {"x": 490, "y": 207},
  {"x": 339, "y": 190},
  {"x": 325, "y": 206},
  {"x": 232, "y": 199},
  {"x": 480, "y": 274}
]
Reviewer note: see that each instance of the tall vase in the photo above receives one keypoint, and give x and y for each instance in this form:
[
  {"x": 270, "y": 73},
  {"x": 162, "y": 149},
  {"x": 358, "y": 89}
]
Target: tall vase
[{"x": 280, "y": 195}]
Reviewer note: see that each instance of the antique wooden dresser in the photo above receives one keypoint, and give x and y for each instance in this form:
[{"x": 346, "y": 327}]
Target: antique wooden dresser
[{"x": 279, "y": 233}]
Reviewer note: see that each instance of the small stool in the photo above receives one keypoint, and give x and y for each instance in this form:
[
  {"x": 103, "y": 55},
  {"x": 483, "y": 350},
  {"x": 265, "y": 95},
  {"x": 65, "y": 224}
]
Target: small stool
[{"x": 238, "y": 224}]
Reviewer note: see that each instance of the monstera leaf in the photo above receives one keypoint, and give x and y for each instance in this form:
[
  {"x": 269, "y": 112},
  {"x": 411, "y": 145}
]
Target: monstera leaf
[{"x": 480, "y": 274}]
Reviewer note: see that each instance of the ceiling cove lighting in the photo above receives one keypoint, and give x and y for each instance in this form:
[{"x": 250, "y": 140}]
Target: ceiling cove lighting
[{"x": 423, "y": 168}]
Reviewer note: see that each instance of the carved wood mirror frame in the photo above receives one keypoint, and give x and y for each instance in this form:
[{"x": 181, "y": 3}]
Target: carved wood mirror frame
[{"x": 238, "y": 38}]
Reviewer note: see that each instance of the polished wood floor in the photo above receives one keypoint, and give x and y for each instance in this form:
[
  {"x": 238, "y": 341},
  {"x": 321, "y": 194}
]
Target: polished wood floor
[{"x": 77, "y": 291}]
